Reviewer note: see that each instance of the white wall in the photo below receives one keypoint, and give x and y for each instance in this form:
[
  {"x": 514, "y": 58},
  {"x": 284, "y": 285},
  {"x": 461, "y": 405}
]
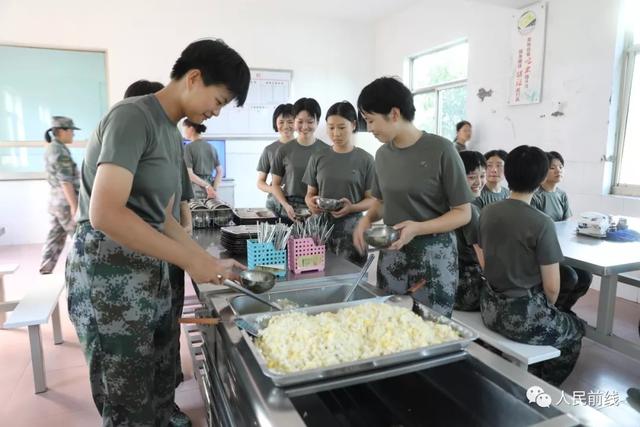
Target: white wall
[
  {"x": 579, "y": 72},
  {"x": 331, "y": 60}
]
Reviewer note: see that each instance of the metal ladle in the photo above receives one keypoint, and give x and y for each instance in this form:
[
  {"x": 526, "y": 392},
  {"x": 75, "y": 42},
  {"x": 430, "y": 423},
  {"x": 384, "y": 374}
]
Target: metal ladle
[
  {"x": 236, "y": 287},
  {"x": 407, "y": 300}
]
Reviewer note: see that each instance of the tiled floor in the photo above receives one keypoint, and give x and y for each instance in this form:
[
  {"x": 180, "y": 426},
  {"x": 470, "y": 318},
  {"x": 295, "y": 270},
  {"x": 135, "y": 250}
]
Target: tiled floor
[{"x": 68, "y": 401}]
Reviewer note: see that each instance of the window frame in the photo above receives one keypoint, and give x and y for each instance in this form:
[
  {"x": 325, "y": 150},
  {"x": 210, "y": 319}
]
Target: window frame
[
  {"x": 631, "y": 51},
  {"x": 436, "y": 88}
]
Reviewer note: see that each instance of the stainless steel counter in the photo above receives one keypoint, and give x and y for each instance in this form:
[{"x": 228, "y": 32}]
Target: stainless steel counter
[
  {"x": 210, "y": 240},
  {"x": 473, "y": 388}
]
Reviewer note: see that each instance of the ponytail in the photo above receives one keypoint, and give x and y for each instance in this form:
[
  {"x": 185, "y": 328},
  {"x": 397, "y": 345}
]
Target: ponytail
[{"x": 47, "y": 135}]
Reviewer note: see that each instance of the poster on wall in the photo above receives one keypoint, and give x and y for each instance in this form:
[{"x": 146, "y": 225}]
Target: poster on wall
[
  {"x": 267, "y": 89},
  {"x": 527, "y": 42}
]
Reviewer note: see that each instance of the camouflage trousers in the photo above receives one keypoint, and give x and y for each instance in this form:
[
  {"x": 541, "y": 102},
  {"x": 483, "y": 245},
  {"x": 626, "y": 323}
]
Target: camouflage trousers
[
  {"x": 61, "y": 225},
  {"x": 341, "y": 240},
  {"x": 574, "y": 283},
  {"x": 176, "y": 277},
  {"x": 434, "y": 258},
  {"x": 120, "y": 304},
  {"x": 273, "y": 205},
  {"x": 470, "y": 283},
  {"x": 531, "y": 319}
]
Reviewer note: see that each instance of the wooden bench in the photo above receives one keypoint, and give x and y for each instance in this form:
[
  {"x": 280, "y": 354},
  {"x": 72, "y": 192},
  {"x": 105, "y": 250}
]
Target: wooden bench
[
  {"x": 631, "y": 278},
  {"x": 35, "y": 309},
  {"x": 520, "y": 354},
  {"x": 8, "y": 305}
]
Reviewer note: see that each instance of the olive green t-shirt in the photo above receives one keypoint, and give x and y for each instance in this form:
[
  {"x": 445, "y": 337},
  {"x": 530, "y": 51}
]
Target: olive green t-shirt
[
  {"x": 420, "y": 182},
  {"x": 290, "y": 163},
  {"x": 200, "y": 156},
  {"x": 516, "y": 239},
  {"x": 488, "y": 197},
  {"x": 266, "y": 158},
  {"x": 136, "y": 134},
  {"x": 467, "y": 236},
  {"x": 338, "y": 175},
  {"x": 553, "y": 203}
]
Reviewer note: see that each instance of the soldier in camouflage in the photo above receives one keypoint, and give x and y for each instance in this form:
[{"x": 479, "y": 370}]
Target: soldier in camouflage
[
  {"x": 64, "y": 182},
  {"x": 421, "y": 190},
  {"x": 282, "y": 121},
  {"x": 345, "y": 173},
  {"x": 119, "y": 291},
  {"x": 470, "y": 278},
  {"x": 521, "y": 258}
]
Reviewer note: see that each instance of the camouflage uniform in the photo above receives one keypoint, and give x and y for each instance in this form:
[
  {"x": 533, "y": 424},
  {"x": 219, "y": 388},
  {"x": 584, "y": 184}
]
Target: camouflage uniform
[
  {"x": 470, "y": 283},
  {"x": 433, "y": 257},
  {"x": 273, "y": 205},
  {"x": 531, "y": 319},
  {"x": 60, "y": 168},
  {"x": 341, "y": 240},
  {"x": 120, "y": 304}
]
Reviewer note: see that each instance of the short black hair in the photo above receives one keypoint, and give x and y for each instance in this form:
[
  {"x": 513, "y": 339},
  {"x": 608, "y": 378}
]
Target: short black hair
[
  {"x": 200, "y": 128},
  {"x": 551, "y": 155},
  {"x": 472, "y": 160},
  {"x": 500, "y": 153},
  {"x": 345, "y": 110},
  {"x": 309, "y": 105},
  {"x": 460, "y": 124},
  {"x": 218, "y": 64},
  {"x": 384, "y": 93},
  {"x": 284, "y": 110},
  {"x": 525, "y": 168},
  {"x": 142, "y": 87}
]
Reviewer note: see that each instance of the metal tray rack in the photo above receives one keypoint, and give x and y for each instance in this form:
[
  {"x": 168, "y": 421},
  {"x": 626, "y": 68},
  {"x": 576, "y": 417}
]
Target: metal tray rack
[{"x": 432, "y": 353}]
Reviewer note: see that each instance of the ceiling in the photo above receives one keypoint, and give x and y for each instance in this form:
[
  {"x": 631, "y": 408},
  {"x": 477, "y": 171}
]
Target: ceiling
[
  {"x": 515, "y": 4},
  {"x": 362, "y": 10}
]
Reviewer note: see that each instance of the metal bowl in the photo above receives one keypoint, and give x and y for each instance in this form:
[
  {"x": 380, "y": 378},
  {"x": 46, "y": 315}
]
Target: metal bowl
[
  {"x": 302, "y": 213},
  {"x": 257, "y": 281},
  {"x": 329, "y": 204},
  {"x": 381, "y": 236}
]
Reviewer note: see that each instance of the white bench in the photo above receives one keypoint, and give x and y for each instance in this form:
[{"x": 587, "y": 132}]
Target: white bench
[
  {"x": 32, "y": 311},
  {"x": 8, "y": 305},
  {"x": 631, "y": 278},
  {"x": 520, "y": 354}
]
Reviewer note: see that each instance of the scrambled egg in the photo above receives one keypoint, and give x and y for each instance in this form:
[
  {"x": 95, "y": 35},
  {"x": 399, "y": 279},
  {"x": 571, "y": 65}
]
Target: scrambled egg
[{"x": 296, "y": 341}]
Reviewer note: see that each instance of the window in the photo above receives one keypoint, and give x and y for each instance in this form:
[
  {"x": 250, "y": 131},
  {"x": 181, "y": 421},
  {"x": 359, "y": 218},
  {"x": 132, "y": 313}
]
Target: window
[
  {"x": 627, "y": 174},
  {"x": 40, "y": 83},
  {"x": 439, "y": 85}
]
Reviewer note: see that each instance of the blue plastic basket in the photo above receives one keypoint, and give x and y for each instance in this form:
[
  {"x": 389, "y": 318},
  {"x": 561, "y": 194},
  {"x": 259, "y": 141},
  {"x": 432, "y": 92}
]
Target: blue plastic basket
[{"x": 265, "y": 254}]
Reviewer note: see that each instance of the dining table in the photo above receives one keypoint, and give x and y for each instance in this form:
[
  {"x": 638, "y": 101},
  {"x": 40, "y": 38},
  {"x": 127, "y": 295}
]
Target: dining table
[{"x": 607, "y": 259}]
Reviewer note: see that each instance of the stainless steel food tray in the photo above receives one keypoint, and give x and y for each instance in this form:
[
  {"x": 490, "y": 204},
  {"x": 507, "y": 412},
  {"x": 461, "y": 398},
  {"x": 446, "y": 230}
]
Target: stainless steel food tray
[{"x": 419, "y": 354}]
